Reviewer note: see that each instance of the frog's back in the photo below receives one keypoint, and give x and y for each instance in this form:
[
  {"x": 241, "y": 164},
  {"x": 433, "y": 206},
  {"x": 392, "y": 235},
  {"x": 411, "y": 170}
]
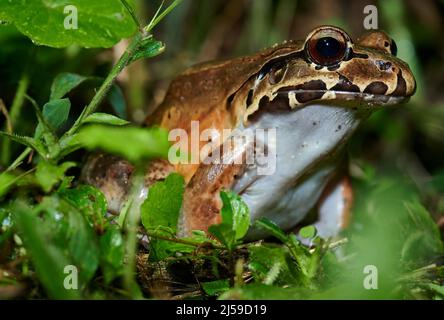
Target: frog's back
[{"x": 203, "y": 92}]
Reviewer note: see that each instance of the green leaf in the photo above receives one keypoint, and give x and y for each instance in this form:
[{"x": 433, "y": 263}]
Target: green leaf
[
  {"x": 271, "y": 228},
  {"x": 105, "y": 118},
  {"x": 308, "y": 232},
  {"x": 162, "y": 206},
  {"x": 100, "y": 23},
  {"x": 48, "y": 174},
  {"x": 437, "y": 288},
  {"x": 235, "y": 212},
  {"x": 160, "y": 214},
  {"x": 225, "y": 234},
  {"x": 90, "y": 202},
  {"x": 257, "y": 291},
  {"x": 307, "y": 262},
  {"x": 272, "y": 264},
  {"x": 82, "y": 245},
  {"x": 117, "y": 101},
  {"x": 48, "y": 259},
  {"x": 64, "y": 83},
  {"x": 27, "y": 141},
  {"x": 56, "y": 113},
  {"x": 148, "y": 49},
  {"x": 235, "y": 220},
  {"x": 424, "y": 237},
  {"x": 214, "y": 288},
  {"x": 66, "y": 229},
  {"x": 134, "y": 144},
  {"x": 6, "y": 182},
  {"x": 112, "y": 252},
  {"x": 162, "y": 249},
  {"x": 44, "y": 128}
]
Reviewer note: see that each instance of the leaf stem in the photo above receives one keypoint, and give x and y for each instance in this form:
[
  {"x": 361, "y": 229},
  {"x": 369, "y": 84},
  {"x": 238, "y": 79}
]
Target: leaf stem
[
  {"x": 157, "y": 17},
  {"x": 131, "y": 12},
  {"x": 124, "y": 60},
  {"x": 130, "y": 226},
  {"x": 16, "y": 107},
  {"x": 19, "y": 159}
]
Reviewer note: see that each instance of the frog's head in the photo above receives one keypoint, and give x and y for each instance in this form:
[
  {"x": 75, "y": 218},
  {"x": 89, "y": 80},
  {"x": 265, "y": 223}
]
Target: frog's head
[{"x": 328, "y": 67}]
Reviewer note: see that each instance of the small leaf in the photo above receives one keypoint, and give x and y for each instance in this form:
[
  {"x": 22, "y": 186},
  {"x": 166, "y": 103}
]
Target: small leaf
[
  {"x": 91, "y": 202},
  {"x": 160, "y": 214},
  {"x": 82, "y": 245},
  {"x": 437, "y": 288},
  {"x": 162, "y": 206},
  {"x": 308, "y": 232},
  {"x": 162, "y": 249},
  {"x": 213, "y": 288},
  {"x": 43, "y": 128},
  {"x": 271, "y": 263},
  {"x": 117, "y": 101},
  {"x": 235, "y": 212},
  {"x": 48, "y": 174},
  {"x": 134, "y": 144},
  {"x": 56, "y": 113},
  {"x": 6, "y": 182},
  {"x": 27, "y": 141},
  {"x": 271, "y": 228},
  {"x": 225, "y": 234},
  {"x": 64, "y": 83},
  {"x": 105, "y": 118},
  {"x": 258, "y": 291},
  {"x": 112, "y": 253},
  {"x": 148, "y": 49}
]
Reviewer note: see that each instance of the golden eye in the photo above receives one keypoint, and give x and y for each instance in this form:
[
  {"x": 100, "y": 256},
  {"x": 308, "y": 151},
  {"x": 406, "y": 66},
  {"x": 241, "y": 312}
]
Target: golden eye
[{"x": 327, "y": 46}]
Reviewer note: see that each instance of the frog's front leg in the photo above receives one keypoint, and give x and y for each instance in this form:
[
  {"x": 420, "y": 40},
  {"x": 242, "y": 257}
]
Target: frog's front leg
[
  {"x": 334, "y": 207},
  {"x": 201, "y": 201}
]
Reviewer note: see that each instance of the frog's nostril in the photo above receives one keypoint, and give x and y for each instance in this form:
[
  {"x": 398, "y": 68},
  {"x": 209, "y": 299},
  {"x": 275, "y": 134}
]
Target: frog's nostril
[
  {"x": 394, "y": 48},
  {"x": 383, "y": 65}
]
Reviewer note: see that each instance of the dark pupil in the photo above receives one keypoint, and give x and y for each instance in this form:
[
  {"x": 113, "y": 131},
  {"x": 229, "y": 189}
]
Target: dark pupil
[{"x": 328, "y": 47}]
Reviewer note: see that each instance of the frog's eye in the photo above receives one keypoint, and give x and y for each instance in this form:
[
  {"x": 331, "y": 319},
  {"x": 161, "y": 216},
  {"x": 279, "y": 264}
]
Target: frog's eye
[{"x": 327, "y": 46}]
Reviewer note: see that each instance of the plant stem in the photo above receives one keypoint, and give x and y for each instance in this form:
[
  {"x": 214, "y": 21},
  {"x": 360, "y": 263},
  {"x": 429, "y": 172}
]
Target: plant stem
[
  {"x": 124, "y": 60},
  {"x": 130, "y": 225},
  {"x": 14, "y": 113},
  {"x": 19, "y": 159}
]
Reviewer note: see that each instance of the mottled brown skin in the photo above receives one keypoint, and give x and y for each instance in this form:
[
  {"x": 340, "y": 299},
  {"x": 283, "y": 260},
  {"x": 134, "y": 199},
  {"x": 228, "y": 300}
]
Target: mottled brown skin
[
  {"x": 203, "y": 93},
  {"x": 216, "y": 94},
  {"x": 202, "y": 192},
  {"x": 219, "y": 95}
]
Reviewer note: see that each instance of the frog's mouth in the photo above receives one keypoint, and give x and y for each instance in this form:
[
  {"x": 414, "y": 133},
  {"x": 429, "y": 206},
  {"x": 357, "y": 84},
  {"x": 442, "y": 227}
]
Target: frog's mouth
[{"x": 338, "y": 97}]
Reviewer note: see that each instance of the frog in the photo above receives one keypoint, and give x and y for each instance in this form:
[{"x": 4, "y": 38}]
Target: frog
[{"x": 314, "y": 93}]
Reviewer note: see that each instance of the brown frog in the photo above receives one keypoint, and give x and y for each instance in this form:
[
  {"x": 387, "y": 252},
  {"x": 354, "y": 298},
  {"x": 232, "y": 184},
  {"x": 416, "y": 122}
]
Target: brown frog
[{"x": 312, "y": 93}]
